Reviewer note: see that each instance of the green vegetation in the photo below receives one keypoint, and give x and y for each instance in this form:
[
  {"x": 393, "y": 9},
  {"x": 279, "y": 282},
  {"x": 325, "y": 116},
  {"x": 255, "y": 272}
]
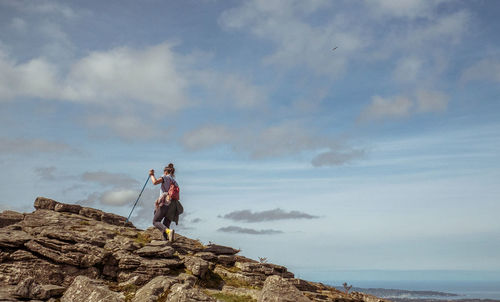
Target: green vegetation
[
  {"x": 78, "y": 228},
  {"x": 142, "y": 238},
  {"x": 163, "y": 296},
  {"x": 233, "y": 269},
  {"x": 128, "y": 290},
  {"x": 226, "y": 297},
  {"x": 236, "y": 282}
]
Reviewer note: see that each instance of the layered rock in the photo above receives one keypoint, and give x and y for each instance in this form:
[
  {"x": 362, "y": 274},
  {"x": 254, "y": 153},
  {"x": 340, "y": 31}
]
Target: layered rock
[{"x": 74, "y": 253}]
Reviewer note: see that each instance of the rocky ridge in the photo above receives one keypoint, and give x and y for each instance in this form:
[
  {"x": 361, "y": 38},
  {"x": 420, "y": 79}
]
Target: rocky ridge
[{"x": 66, "y": 252}]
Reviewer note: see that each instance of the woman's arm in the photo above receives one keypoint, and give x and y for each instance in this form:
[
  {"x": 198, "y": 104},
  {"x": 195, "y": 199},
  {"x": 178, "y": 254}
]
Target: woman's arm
[{"x": 155, "y": 180}]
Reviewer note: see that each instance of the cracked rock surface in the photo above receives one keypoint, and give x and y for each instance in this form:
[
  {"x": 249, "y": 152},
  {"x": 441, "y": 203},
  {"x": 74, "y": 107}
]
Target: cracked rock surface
[{"x": 66, "y": 252}]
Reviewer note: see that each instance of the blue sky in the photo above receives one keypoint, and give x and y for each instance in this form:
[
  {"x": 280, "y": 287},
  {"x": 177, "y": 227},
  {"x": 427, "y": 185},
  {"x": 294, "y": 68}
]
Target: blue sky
[{"x": 382, "y": 154}]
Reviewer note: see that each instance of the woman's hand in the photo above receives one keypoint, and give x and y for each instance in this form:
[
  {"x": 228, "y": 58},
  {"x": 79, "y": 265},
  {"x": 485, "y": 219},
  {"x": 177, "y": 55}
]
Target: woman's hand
[{"x": 151, "y": 172}]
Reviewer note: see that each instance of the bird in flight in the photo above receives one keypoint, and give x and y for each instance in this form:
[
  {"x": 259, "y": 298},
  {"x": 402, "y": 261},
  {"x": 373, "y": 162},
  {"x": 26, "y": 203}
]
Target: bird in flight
[{"x": 334, "y": 48}]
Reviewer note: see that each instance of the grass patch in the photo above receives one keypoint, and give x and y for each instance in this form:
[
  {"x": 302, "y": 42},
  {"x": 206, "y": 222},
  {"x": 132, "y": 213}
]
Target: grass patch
[
  {"x": 127, "y": 290},
  {"x": 142, "y": 238},
  {"x": 236, "y": 282},
  {"x": 84, "y": 222},
  {"x": 163, "y": 296},
  {"x": 225, "y": 297},
  {"x": 78, "y": 228},
  {"x": 233, "y": 269}
]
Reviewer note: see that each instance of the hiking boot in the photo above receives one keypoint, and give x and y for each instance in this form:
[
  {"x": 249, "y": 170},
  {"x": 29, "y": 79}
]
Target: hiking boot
[
  {"x": 171, "y": 235},
  {"x": 165, "y": 236}
]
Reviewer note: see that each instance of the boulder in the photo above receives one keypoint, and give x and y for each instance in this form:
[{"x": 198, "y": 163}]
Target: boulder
[
  {"x": 10, "y": 217},
  {"x": 158, "y": 249},
  {"x": 207, "y": 256},
  {"x": 280, "y": 289},
  {"x": 303, "y": 285},
  {"x": 69, "y": 208},
  {"x": 154, "y": 289},
  {"x": 51, "y": 290},
  {"x": 91, "y": 213},
  {"x": 45, "y": 203},
  {"x": 264, "y": 268},
  {"x": 227, "y": 260},
  {"x": 6, "y": 293},
  {"x": 197, "y": 266},
  {"x": 246, "y": 278},
  {"x": 22, "y": 255},
  {"x": 187, "y": 293},
  {"x": 13, "y": 238},
  {"x": 84, "y": 289},
  {"x": 220, "y": 249},
  {"x": 30, "y": 289},
  {"x": 182, "y": 244},
  {"x": 365, "y": 297},
  {"x": 115, "y": 219}
]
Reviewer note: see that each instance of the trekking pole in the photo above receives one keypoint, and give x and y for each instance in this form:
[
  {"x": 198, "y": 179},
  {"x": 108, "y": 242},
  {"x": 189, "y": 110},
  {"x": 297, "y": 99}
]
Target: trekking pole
[{"x": 137, "y": 199}]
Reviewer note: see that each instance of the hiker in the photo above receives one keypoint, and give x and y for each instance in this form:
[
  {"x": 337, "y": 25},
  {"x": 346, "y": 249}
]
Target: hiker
[{"x": 167, "y": 207}]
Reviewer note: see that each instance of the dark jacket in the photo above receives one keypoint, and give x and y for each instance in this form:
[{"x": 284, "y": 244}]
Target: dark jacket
[{"x": 174, "y": 210}]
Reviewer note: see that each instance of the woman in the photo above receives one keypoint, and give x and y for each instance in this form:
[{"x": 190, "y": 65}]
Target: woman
[{"x": 166, "y": 208}]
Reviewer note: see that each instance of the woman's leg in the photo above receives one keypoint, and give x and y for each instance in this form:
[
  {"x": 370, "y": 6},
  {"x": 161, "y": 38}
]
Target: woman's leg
[
  {"x": 159, "y": 215},
  {"x": 166, "y": 223}
]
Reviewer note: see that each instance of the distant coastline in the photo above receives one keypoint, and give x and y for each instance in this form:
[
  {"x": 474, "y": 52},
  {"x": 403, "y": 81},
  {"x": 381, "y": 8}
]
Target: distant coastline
[
  {"x": 441, "y": 300},
  {"x": 401, "y": 295}
]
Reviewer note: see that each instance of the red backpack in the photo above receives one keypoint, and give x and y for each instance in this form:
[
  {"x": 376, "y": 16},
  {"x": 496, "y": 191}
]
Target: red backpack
[{"x": 173, "y": 191}]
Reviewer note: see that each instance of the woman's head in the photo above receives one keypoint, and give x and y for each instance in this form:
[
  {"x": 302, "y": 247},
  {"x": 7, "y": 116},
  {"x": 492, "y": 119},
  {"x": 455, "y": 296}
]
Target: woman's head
[{"x": 169, "y": 169}]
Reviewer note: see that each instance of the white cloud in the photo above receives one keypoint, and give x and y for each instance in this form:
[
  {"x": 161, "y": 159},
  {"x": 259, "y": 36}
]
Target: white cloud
[
  {"x": 268, "y": 215},
  {"x": 407, "y": 8},
  {"x": 122, "y": 74},
  {"x": 398, "y": 107},
  {"x": 118, "y": 198},
  {"x": 231, "y": 89},
  {"x": 125, "y": 126},
  {"x": 444, "y": 30},
  {"x": 335, "y": 157},
  {"x": 35, "y": 78},
  {"x": 46, "y": 173},
  {"x": 240, "y": 230},
  {"x": 42, "y": 7},
  {"x": 109, "y": 179},
  {"x": 486, "y": 69},
  {"x": 408, "y": 69},
  {"x": 124, "y": 89},
  {"x": 19, "y": 24},
  {"x": 109, "y": 78},
  {"x": 297, "y": 43},
  {"x": 33, "y": 146},
  {"x": 383, "y": 108},
  {"x": 206, "y": 136},
  {"x": 431, "y": 101},
  {"x": 282, "y": 139}
]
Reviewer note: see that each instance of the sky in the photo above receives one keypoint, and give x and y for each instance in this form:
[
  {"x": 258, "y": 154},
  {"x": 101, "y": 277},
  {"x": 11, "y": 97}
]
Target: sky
[{"x": 326, "y": 136}]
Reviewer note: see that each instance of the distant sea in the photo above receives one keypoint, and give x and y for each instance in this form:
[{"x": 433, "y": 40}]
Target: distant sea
[{"x": 464, "y": 289}]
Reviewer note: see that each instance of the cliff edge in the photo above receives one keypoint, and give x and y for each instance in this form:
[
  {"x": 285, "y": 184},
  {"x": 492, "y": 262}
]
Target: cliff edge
[{"x": 66, "y": 252}]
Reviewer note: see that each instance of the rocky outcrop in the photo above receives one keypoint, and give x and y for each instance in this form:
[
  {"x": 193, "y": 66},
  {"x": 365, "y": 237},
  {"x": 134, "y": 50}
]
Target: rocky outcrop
[
  {"x": 86, "y": 289},
  {"x": 74, "y": 253},
  {"x": 10, "y": 217},
  {"x": 188, "y": 293},
  {"x": 277, "y": 289},
  {"x": 30, "y": 289}
]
